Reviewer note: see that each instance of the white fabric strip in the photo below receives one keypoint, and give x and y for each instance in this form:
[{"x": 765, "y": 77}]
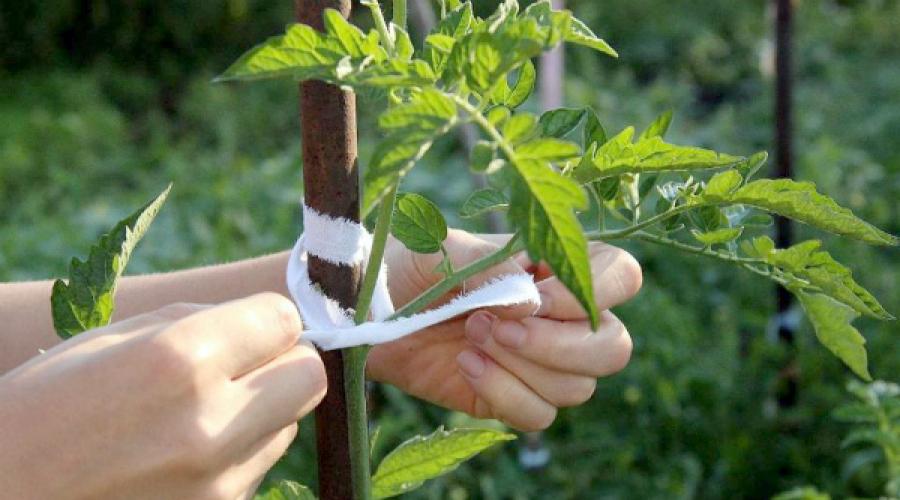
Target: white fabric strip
[{"x": 345, "y": 242}]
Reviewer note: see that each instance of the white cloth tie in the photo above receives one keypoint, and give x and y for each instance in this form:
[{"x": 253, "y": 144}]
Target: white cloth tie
[{"x": 341, "y": 241}]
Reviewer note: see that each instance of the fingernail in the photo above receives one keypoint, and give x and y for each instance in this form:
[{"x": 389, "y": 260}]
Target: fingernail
[
  {"x": 546, "y": 304},
  {"x": 471, "y": 363},
  {"x": 510, "y": 334},
  {"x": 478, "y": 327}
]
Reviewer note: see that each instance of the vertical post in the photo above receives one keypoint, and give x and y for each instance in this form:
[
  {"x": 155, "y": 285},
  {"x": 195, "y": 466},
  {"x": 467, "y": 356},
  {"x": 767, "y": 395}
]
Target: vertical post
[
  {"x": 784, "y": 168},
  {"x": 331, "y": 185},
  {"x": 552, "y": 72}
]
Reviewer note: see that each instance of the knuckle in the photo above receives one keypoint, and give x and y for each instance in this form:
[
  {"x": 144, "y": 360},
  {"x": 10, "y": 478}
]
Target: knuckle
[
  {"x": 178, "y": 310},
  {"x": 288, "y": 318},
  {"x": 172, "y": 356},
  {"x": 194, "y": 452}
]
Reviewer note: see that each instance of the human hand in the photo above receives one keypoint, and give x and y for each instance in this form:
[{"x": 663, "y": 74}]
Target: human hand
[
  {"x": 188, "y": 402},
  {"x": 507, "y": 364}
]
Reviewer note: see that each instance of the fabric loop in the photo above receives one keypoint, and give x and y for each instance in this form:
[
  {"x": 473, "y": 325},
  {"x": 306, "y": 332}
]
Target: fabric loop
[{"x": 344, "y": 242}]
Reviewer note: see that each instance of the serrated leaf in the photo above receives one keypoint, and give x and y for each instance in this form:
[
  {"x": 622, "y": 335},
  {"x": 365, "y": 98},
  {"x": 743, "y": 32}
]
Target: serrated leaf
[
  {"x": 717, "y": 236},
  {"x": 413, "y": 127},
  {"x": 426, "y": 457},
  {"x": 559, "y": 122},
  {"x": 548, "y": 148},
  {"x": 543, "y": 208},
  {"x": 580, "y": 34},
  {"x": 806, "y": 261},
  {"x": 418, "y": 223},
  {"x": 287, "y": 490},
  {"x": 619, "y": 156},
  {"x": 593, "y": 130},
  {"x": 483, "y": 201},
  {"x": 86, "y": 300},
  {"x": 831, "y": 322},
  {"x": 658, "y": 127},
  {"x": 801, "y": 202},
  {"x": 523, "y": 87}
]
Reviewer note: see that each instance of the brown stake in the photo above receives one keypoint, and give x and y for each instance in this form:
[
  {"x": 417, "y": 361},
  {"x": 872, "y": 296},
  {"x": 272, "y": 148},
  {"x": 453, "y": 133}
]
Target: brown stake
[{"x": 331, "y": 185}]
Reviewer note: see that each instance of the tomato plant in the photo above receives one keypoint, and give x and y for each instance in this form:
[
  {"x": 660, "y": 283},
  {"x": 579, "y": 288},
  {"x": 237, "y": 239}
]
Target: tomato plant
[{"x": 561, "y": 179}]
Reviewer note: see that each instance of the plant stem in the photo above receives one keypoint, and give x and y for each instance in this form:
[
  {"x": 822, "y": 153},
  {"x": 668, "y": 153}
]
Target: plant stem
[
  {"x": 381, "y": 26},
  {"x": 400, "y": 13},
  {"x": 622, "y": 233},
  {"x": 441, "y": 288},
  {"x": 355, "y": 359}
]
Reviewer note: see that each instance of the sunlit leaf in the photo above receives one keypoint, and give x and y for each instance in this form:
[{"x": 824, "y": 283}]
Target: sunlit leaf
[
  {"x": 800, "y": 201},
  {"x": 426, "y": 457},
  {"x": 286, "y": 490},
  {"x": 831, "y": 322},
  {"x": 85, "y": 301},
  {"x": 418, "y": 223},
  {"x": 524, "y": 86},
  {"x": 717, "y": 236},
  {"x": 547, "y": 148},
  {"x": 658, "y": 127}
]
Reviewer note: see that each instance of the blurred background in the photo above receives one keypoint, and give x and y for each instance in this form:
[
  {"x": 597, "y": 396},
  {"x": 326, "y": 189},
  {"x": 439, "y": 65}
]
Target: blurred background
[{"x": 104, "y": 102}]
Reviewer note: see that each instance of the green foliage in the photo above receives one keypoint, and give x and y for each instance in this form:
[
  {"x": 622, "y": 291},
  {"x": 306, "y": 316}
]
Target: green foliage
[
  {"x": 800, "y": 201},
  {"x": 483, "y": 201},
  {"x": 425, "y": 457},
  {"x": 803, "y": 493},
  {"x": 619, "y": 155},
  {"x": 831, "y": 320},
  {"x": 287, "y": 490},
  {"x": 418, "y": 223},
  {"x": 86, "y": 300}
]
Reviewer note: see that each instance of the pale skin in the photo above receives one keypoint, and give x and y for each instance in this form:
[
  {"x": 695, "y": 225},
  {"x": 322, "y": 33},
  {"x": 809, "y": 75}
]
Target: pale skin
[{"x": 178, "y": 400}]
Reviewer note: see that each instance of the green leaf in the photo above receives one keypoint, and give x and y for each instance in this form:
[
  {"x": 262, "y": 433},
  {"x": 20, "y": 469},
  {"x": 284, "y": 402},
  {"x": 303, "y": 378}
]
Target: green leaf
[
  {"x": 717, "y": 236},
  {"x": 543, "y": 208},
  {"x": 806, "y": 261},
  {"x": 413, "y": 126},
  {"x": 723, "y": 184},
  {"x": 481, "y": 156},
  {"x": 548, "y": 148},
  {"x": 86, "y": 300},
  {"x": 800, "y": 201},
  {"x": 418, "y": 223},
  {"x": 580, "y": 34},
  {"x": 749, "y": 167},
  {"x": 831, "y": 321},
  {"x": 618, "y": 156},
  {"x": 483, "y": 201},
  {"x": 659, "y": 127},
  {"x": 426, "y": 457},
  {"x": 520, "y": 127},
  {"x": 877, "y": 437},
  {"x": 593, "y": 130},
  {"x": 287, "y": 490},
  {"x": 856, "y": 413},
  {"x": 559, "y": 122},
  {"x": 804, "y": 493},
  {"x": 524, "y": 86}
]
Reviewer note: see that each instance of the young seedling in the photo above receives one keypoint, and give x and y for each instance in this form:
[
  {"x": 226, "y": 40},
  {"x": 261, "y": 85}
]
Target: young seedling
[{"x": 547, "y": 173}]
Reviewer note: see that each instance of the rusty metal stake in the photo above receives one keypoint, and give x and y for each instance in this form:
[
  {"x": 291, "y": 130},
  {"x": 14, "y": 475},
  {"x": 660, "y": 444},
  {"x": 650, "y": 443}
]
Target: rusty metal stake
[{"x": 331, "y": 185}]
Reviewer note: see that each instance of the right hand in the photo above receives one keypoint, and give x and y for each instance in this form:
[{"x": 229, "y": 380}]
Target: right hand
[{"x": 188, "y": 402}]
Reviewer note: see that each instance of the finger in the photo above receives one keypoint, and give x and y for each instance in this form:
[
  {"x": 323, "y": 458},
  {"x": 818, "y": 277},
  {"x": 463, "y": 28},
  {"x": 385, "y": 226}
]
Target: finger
[
  {"x": 464, "y": 248},
  {"x": 499, "y": 394},
  {"x": 564, "y": 346},
  {"x": 616, "y": 278},
  {"x": 277, "y": 394},
  {"x": 247, "y": 473},
  {"x": 240, "y": 335}
]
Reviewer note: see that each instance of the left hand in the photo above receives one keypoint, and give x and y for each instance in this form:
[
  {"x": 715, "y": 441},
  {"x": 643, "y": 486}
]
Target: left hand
[{"x": 507, "y": 364}]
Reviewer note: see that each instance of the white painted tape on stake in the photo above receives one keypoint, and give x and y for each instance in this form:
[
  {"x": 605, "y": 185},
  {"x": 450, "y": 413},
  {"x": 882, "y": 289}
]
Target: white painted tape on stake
[{"x": 344, "y": 242}]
